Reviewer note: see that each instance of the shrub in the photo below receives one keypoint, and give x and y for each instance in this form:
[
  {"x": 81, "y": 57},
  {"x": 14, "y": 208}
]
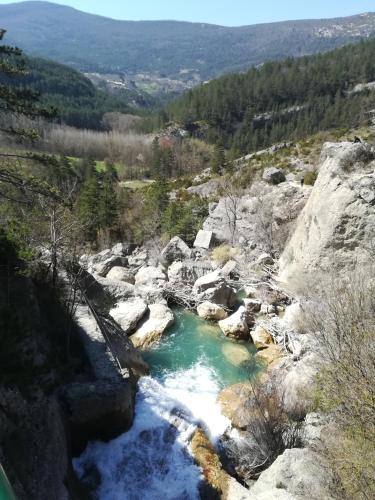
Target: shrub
[
  {"x": 222, "y": 254},
  {"x": 342, "y": 310},
  {"x": 310, "y": 178}
]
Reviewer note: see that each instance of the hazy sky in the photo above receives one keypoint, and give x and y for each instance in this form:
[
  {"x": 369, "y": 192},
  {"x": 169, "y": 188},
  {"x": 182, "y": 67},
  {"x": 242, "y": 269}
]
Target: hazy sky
[{"x": 226, "y": 12}]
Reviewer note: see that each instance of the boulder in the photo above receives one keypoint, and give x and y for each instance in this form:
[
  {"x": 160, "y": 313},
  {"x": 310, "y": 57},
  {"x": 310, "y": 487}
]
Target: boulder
[
  {"x": 116, "y": 290},
  {"x": 124, "y": 274},
  {"x": 128, "y": 314},
  {"x": 237, "y": 403},
  {"x": 261, "y": 337},
  {"x": 161, "y": 317},
  {"x": 188, "y": 271},
  {"x": 270, "y": 355},
  {"x": 228, "y": 268},
  {"x": 210, "y": 311},
  {"x": 302, "y": 473},
  {"x": 122, "y": 249},
  {"x": 235, "y": 326},
  {"x": 274, "y": 175},
  {"x": 204, "y": 239},
  {"x": 150, "y": 274},
  {"x": 138, "y": 258},
  {"x": 103, "y": 268},
  {"x": 210, "y": 280},
  {"x": 236, "y": 354},
  {"x": 222, "y": 295},
  {"x": 336, "y": 227},
  {"x": 176, "y": 250}
]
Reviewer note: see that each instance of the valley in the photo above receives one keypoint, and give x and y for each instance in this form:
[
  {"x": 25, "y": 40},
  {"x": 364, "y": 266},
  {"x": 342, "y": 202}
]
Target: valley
[{"x": 187, "y": 217}]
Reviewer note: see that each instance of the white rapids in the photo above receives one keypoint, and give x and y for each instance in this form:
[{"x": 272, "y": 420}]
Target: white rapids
[{"x": 153, "y": 461}]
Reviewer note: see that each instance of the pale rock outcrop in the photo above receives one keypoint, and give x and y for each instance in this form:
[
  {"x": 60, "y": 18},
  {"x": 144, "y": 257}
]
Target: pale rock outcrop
[
  {"x": 161, "y": 317},
  {"x": 206, "y": 189},
  {"x": 118, "y": 273},
  {"x": 235, "y": 326},
  {"x": 336, "y": 227},
  {"x": 176, "y": 250},
  {"x": 301, "y": 473},
  {"x": 128, "y": 314},
  {"x": 210, "y": 311},
  {"x": 298, "y": 386},
  {"x": 274, "y": 175},
  {"x": 261, "y": 337},
  {"x": 281, "y": 204}
]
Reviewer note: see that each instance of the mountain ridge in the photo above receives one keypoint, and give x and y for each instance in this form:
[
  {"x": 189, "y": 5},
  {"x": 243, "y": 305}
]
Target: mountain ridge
[{"x": 180, "y": 50}]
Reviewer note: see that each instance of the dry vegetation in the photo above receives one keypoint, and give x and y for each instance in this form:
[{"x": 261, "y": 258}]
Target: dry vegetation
[{"x": 342, "y": 313}]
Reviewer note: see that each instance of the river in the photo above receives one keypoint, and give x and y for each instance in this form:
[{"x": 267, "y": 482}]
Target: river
[{"x": 152, "y": 461}]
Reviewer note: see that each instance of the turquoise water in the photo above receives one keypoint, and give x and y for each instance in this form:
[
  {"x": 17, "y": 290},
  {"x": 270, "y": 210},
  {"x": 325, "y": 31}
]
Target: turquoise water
[
  {"x": 153, "y": 460},
  {"x": 192, "y": 340}
]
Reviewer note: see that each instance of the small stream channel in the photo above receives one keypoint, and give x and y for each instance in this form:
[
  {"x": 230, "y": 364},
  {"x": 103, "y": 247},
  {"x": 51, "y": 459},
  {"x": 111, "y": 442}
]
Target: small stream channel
[{"x": 152, "y": 461}]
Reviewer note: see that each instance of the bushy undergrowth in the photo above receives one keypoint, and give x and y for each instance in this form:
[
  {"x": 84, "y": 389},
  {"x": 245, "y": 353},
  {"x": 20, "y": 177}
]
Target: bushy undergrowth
[{"x": 342, "y": 312}]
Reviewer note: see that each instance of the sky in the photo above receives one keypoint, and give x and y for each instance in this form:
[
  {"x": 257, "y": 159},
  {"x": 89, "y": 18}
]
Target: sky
[{"x": 225, "y": 12}]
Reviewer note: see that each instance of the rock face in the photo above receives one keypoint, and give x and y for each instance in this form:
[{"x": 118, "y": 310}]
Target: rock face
[
  {"x": 98, "y": 410},
  {"x": 210, "y": 311},
  {"x": 118, "y": 273},
  {"x": 176, "y": 250},
  {"x": 281, "y": 204},
  {"x": 274, "y": 175},
  {"x": 128, "y": 314},
  {"x": 34, "y": 445},
  {"x": 236, "y": 325},
  {"x": 301, "y": 473},
  {"x": 161, "y": 317},
  {"x": 336, "y": 227},
  {"x": 237, "y": 404}
]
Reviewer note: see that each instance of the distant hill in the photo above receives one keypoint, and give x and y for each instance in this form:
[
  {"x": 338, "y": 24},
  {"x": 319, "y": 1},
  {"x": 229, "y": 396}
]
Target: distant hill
[
  {"x": 282, "y": 101},
  {"x": 78, "y": 102},
  {"x": 188, "y": 52}
]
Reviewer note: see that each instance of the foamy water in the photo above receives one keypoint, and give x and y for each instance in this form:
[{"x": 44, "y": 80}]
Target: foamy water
[{"x": 153, "y": 460}]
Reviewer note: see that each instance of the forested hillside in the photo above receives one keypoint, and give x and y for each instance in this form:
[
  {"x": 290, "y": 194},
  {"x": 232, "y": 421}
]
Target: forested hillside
[
  {"x": 282, "y": 100},
  {"x": 77, "y": 101},
  {"x": 189, "y": 52}
]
